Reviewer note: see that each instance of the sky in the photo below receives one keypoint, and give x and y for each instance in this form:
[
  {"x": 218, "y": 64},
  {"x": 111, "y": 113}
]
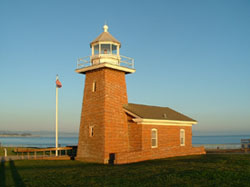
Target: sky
[{"x": 192, "y": 56}]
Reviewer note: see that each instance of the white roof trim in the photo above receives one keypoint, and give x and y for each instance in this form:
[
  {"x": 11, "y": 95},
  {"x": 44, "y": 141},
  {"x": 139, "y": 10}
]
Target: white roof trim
[
  {"x": 163, "y": 122},
  {"x": 103, "y": 65},
  {"x": 142, "y": 121}
]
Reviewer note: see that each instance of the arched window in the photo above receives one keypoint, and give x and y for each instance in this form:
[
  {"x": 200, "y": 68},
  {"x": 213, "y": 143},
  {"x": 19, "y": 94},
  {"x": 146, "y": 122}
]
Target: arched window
[
  {"x": 182, "y": 137},
  {"x": 154, "y": 138}
]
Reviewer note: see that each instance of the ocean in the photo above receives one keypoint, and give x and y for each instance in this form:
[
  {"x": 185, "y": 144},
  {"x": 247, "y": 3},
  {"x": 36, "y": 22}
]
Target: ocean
[
  {"x": 228, "y": 141},
  {"x": 221, "y": 142},
  {"x": 40, "y": 142}
]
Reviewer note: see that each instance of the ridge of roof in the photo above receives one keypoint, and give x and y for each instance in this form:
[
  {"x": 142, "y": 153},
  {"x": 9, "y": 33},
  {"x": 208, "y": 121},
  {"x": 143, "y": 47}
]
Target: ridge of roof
[
  {"x": 105, "y": 37},
  {"x": 156, "y": 112}
]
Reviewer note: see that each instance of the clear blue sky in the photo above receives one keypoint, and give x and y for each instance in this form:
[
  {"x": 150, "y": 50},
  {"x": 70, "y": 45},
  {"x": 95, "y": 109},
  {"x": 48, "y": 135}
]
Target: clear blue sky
[{"x": 192, "y": 56}]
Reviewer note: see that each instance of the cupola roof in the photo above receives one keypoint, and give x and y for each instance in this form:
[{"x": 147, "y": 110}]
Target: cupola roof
[{"x": 105, "y": 37}]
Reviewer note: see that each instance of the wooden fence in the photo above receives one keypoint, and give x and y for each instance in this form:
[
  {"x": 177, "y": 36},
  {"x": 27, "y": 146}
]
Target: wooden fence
[{"x": 31, "y": 153}]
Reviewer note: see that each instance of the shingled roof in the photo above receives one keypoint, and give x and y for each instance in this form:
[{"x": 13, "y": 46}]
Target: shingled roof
[
  {"x": 105, "y": 37},
  {"x": 155, "y": 112}
]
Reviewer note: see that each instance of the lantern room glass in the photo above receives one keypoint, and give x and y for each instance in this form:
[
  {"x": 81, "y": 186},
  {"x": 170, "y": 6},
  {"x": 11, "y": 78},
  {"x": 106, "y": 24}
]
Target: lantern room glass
[
  {"x": 96, "y": 49},
  {"x": 114, "y": 49},
  {"x": 105, "y": 49}
]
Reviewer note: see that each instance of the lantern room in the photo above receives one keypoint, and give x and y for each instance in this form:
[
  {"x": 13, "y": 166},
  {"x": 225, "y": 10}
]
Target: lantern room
[
  {"x": 105, "y": 52},
  {"x": 105, "y": 48}
]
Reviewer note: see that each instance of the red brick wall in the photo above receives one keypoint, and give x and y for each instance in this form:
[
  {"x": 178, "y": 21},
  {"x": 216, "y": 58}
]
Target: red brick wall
[
  {"x": 150, "y": 154},
  {"x": 168, "y": 136},
  {"x": 168, "y": 143},
  {"x": 116, "y": 127},
  {"x": 92, "y": 148},
  {"x": 135, "y": 135},
  {"x": 103, "y": 109}
]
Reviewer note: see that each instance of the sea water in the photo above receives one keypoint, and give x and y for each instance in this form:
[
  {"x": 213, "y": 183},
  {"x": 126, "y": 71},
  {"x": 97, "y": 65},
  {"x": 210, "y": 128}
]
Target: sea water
[
  {"x": 37, "y": 141},
  {"x": 232, "y": 141},
  {"x": 225, "y": 139},
  {"x": 219, "y": 142}
]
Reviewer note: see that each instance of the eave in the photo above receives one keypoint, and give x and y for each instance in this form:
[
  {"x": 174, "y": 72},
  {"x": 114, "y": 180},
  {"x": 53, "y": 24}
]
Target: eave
[
  {"x": 143, "y": 121},
  {"x": 105, "y": 65}
]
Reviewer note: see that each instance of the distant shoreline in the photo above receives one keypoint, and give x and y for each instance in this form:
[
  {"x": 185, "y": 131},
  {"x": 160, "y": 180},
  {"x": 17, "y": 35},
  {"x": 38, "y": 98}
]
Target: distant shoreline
[{"x": 17, "y": 135}]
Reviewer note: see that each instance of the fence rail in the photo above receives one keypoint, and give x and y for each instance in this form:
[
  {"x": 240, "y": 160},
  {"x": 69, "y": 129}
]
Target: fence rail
[
  {"x": 219, "y": 146},
  {"x": 41, "y": 153}
]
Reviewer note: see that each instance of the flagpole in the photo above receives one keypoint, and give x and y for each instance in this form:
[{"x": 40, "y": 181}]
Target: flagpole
[{"x": 56, "y": 118}]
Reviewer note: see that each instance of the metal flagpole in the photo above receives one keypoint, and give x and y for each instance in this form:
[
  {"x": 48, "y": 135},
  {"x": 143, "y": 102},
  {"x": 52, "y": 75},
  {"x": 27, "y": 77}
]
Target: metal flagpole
[{"x": 56, "y": 117}]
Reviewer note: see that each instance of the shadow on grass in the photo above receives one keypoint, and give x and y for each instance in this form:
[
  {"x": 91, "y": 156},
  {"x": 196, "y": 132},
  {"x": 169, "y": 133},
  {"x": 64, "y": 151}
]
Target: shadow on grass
[
  {"x": 2, "y": 173},
  {"x": 15, "y": 175}
]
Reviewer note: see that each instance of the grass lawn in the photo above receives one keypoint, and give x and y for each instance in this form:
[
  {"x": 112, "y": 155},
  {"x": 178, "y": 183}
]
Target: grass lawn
[
  {"x": 205, "y": 170},
  {"x": 10, "y": 151}
]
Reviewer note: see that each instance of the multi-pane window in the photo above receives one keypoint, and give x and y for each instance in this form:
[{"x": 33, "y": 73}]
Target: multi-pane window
[
  {"x": 105, "y": 49},
  {"x": 182, "y": 137},
  {"x": 154, "y": 138}
]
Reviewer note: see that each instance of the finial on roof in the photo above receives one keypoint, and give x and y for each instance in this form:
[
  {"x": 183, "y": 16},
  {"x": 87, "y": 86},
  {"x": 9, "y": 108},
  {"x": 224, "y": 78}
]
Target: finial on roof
[{"x": 105, "y": 28}]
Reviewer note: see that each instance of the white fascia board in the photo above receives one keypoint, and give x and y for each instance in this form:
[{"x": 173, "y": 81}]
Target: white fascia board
[
  {"x": 163, "y": 122},
  {"x": 102, "y": 65}
]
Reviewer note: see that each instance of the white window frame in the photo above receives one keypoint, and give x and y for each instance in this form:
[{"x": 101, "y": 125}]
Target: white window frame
[
  {"x": 156, "y": 138},
  {"x": 91, "y": 131},
  {"x": 182, "y": 136},
  {"x": 94, "y": 86}
]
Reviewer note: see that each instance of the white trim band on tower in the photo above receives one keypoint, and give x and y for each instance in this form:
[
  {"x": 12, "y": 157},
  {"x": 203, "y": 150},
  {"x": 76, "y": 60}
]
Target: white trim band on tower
[{"x": 105, "y": 65}]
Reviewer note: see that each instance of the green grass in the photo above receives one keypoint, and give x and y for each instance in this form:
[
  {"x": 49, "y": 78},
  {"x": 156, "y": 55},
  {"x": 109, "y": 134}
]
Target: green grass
[
  {"x": 205, "y": 170},
  {"x": 10, "y": 151}
]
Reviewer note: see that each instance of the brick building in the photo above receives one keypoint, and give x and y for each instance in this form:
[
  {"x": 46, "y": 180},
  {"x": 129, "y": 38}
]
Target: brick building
[{"x": 115, "y": 131}]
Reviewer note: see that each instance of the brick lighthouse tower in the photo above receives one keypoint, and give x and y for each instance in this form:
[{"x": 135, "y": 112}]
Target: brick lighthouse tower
[{"x": 103, "y": 127}]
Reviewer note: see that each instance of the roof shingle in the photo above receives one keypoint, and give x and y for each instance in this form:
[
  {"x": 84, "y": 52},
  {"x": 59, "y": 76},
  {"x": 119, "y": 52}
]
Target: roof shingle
[
  {"x": 105, "y": 37},
  {"x": 156, "y": 112}
]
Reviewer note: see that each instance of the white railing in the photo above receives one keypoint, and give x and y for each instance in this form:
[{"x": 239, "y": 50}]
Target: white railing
[
  {"x": 122, "y": 61},
  {"x": 127, "y": 62},
  {"x": 83, "y": 62}
]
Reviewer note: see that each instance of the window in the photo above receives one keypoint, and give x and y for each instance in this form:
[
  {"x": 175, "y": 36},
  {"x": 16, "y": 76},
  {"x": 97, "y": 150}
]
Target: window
[
  {"x": 154, "y": 138},
  {"x": 114, "y": 49},
  {"x": 96, "y": 49},
  {"x": 91, "y": 131},
  {"x": 182, "y": 137},
  {"x": 94, "y": 86},
  {"x": 105, "y": 48}
]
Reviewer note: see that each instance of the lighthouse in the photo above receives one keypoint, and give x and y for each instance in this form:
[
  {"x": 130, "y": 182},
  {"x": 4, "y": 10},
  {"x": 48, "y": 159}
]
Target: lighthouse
[
  {"x": 115, "y": 131},
  {"x": 103, "y": 125}
]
